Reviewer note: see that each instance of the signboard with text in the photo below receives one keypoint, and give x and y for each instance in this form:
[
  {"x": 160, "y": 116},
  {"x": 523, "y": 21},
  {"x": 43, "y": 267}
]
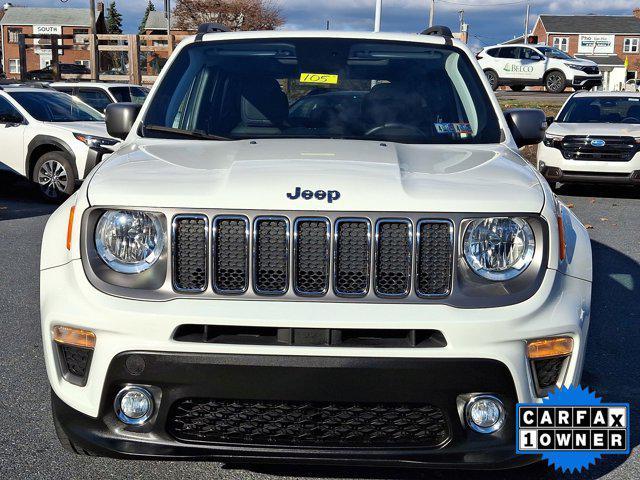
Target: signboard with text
[
  {"x": 47, "y": 29},
  {"x": 591, "y": 44}
]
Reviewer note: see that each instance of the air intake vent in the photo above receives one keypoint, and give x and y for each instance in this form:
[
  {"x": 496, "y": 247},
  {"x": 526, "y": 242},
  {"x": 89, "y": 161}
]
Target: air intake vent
[
  {"x": 393, "y": 258},
  {"x": 435, "y": 258},
  {"x": 230, "y": 254},
  {"x": 271, "y": 252},
  {"x": 311, "y": 256},
  {"x": 190, "y": 253},
  {"x": 352, "y": 257}
]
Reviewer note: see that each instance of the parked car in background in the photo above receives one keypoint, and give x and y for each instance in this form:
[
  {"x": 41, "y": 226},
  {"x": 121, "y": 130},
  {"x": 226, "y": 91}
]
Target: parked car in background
[
  {"x": 632, "y": 85},
  {"x": 46, "y": 73},
  {"x": 519, "y": 66},
  {"x": 50, "y": 138},
  {"x": 594, "y": 138},
  {"x": 99, "y": 94}
]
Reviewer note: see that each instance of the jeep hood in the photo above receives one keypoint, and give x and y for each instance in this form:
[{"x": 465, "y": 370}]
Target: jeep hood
[
  {"x": 370, "y": 176},
  {"x": 594, "y": 129}
]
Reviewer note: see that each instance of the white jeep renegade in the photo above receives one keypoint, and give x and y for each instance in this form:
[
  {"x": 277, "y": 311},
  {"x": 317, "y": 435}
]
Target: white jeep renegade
[
  {"x": 376, "y": 279},
  {"x": 519, "y": 66}
]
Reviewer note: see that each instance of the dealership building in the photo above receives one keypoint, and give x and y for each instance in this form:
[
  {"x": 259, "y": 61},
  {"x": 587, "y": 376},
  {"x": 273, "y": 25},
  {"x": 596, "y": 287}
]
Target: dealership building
[
  {"x": 608, "y": 40},
  {"x": 52, "y": 21}
]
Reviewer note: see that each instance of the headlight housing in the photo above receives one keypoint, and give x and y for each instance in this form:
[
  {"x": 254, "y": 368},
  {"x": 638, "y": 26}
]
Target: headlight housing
[
  {"x": 130, "y": 241},
  {"x": 553, "y": 140},
  {"x": 576, "y": 66},
  {"x": 499, "y": 248},
  {"x": 95, "y": 142}
]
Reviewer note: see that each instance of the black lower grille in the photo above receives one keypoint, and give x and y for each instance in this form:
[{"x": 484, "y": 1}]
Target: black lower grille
[
  {"x": 548, "y": 370},
  {"x": 271, "y": 256},
  {"x": 311, "y": 274},
  {"x": 352, "y": 259},
  {"x": 393, "y": 258},
  {"x": 435, "y": 257},
  {"x": 307, "y": 424},
  {"x": 231, "y": 255},
  {"x": 76, "y": 359},
  {"x": 190, "y": 253}
]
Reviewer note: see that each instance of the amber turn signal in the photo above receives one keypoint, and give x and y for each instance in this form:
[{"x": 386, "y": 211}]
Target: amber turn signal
[
  {"x": 70, "y": 226},
  {"x": 549, "y": 347},
  {"x": 74, "y": 336}
]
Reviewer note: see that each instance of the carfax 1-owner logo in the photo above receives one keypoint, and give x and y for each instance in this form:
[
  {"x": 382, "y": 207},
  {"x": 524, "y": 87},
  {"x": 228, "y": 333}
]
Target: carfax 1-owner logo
[{"x": 572, "y": 428}]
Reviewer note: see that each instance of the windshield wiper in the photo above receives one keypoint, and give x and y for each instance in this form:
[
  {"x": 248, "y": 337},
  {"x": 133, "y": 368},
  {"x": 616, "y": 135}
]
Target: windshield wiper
[{"x": 183, "y": 133}]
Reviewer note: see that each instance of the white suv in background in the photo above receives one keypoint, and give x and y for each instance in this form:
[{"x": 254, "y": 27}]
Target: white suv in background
[
  {"x": 50, "y": 138},
  {"x": 519, "y": 66},
  {"x": 99, "y": 94},
  {"x": 595, "y": 138}
]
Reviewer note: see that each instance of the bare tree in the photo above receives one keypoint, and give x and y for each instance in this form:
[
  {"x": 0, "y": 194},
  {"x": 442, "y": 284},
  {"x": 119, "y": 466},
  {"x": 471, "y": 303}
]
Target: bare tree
[{"x": 234, "y": 14}]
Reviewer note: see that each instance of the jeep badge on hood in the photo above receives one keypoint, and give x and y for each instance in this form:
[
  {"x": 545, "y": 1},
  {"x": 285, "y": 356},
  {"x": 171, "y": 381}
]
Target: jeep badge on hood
[{"x": 330, "y": 195}]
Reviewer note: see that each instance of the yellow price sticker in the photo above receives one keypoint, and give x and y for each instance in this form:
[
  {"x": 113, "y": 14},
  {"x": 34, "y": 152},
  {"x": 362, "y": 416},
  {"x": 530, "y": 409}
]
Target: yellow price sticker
[{"x": 323, "y": 78}]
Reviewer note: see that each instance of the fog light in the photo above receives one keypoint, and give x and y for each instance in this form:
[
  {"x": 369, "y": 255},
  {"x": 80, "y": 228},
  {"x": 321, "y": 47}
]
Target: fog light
[
  {"x": 485, "y": 414},
  {"x": 134, "y": 405}
]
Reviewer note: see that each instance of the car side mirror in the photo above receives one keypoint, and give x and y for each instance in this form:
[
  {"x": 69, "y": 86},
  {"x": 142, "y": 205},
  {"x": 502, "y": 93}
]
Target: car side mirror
[
  {"x": 527, "y": 125},
  {"x": 120, "y": 118},
  {"x": 536, "y": 58}
]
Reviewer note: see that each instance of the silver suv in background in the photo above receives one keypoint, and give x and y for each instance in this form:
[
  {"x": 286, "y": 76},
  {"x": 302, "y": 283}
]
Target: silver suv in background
[{"x": 98, "y": 95}]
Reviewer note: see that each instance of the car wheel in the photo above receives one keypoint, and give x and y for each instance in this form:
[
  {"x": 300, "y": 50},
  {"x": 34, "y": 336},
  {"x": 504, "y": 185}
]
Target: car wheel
[
  {"x": 55, "y": 176},
  {"x": 493, "y": 79},
  {"x": 555, "y": 82},
  {"x": 517, "y": 88}
]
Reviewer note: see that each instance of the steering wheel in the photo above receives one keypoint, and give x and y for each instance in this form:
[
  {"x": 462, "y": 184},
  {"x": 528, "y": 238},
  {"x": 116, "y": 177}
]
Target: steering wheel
[
  {"x": 395, "y": 126},
  {"x": 630, "y": 120}
]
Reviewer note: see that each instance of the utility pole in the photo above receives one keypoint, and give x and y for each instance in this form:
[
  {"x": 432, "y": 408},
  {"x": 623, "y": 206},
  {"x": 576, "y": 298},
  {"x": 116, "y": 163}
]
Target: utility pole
[
  {"x": 432, "y": 12},
  {"x": 167, "y": 13},
  {"x": 378, "y": 18},
  {"x": 526, "y": 24},
  {"x": 328, "y": 25},
  {"x": 461, "y": 15},
  {"x": 93, "y": 42}
]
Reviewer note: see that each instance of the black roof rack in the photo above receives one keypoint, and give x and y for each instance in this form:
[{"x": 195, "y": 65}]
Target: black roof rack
[
  {"x": 210, "y": 28},
  {"x": 440, "y": 30}
]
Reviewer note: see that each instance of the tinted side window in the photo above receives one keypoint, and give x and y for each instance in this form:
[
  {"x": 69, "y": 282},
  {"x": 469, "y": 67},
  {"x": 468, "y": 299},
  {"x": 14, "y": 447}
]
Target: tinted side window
[
  {"x": 493, "y": 52},
  {"x": 527, "y": 53},
  {"x": 509, "y": 52},
  {"x": 7, "y": 110},
  {"x": 66, "y": 90},
  {"x": 95, "y": 98}
]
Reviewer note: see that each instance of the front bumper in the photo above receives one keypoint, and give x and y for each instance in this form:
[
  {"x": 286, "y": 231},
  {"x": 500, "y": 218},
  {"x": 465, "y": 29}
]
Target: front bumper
[
  {"x": 484, "y": 353},
  {"x": 336, "y": 380},
  {"x": 586, "y": 82}
]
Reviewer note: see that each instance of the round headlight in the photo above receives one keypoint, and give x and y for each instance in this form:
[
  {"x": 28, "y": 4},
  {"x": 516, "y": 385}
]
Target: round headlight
[
  {"x": 130, "y": 241},
  {"x": 499, "y": 248}
]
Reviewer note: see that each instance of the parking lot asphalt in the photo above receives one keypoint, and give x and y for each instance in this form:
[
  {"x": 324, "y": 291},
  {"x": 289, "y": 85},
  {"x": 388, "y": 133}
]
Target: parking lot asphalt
[{"x": 29, "y": 448}]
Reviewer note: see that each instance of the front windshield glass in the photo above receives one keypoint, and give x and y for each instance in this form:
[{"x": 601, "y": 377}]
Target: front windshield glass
[
  {"x": 554, "y": 53},
  {"x": 601, "y": 110},
  {"x": 323, "y": 88},
  {"x": 47, "y": 106},
  {"x": 129, "y": 94}
]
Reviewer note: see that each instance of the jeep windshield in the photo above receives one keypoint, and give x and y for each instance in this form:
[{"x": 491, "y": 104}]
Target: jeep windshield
[{"x": 322, "y": 88}]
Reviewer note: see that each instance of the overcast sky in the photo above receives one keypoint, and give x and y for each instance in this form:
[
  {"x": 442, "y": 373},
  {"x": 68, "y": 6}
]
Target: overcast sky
[{"x": 490, "y": 21}]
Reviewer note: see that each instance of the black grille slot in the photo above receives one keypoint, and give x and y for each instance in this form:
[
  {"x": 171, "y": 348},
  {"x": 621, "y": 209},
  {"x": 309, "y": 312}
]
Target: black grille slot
[
  {"x": 190, "y": 253},
  {"x": 231, "y": 255},
  {"x": 271, "y": 251},
  {"x": 615, "y": 149},
  {"x": 352, "y": 257},
  {"x": 393, "y": 258},
  {"x": 311, "y": 247},
  {"x": 75, "y": 363},
  {"x": 321, "y": 424},
  {"x": 435, "y": 258},
  {"x": 548, "y": 370}
]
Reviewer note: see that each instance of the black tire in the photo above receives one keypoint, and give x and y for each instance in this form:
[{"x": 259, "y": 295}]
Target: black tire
[
  {"x": 517, "y": 88},
  {"x": 65, "y": 441},
  {"x": 555, "y": 82},
  {"x": 55, "y": 176},
  {"x": 492, "y": 77}
]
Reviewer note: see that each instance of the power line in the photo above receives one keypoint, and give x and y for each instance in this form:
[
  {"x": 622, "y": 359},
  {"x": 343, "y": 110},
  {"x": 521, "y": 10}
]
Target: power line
[{"x": 476, "y": 4}]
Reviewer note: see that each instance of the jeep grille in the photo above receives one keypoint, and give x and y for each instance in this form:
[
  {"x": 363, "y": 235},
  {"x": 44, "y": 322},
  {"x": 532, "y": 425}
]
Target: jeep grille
[{"x": 344, "y": 257}]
